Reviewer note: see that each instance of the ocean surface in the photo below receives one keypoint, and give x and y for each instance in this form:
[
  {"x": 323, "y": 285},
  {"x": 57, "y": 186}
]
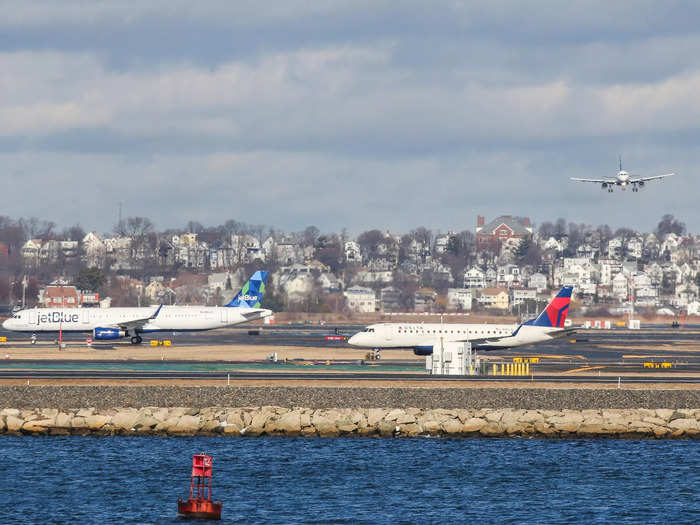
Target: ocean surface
[{"x": 283, "y": 480}]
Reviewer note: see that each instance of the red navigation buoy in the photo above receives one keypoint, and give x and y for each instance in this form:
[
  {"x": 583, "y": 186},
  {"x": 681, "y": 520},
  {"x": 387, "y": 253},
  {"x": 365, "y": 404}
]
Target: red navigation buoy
[{"x": 200, "y": 505}]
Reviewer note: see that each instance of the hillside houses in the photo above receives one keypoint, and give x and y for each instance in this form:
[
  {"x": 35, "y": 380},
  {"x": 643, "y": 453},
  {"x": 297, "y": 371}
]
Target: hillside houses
[{"x": 503, "y": 264}]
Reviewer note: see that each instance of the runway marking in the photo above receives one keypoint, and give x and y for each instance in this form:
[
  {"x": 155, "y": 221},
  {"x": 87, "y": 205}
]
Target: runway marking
[
  {"x": 666, "y": 356},
  {"x": 555, "y": 356},
  {"x": 582, "y": 369}
]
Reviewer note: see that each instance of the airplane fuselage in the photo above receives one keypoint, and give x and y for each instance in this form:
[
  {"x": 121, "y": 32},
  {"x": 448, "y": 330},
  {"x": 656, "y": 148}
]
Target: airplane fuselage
[
  {"x": 419, "y": 335},
  {"x": 170, "y": 318}
]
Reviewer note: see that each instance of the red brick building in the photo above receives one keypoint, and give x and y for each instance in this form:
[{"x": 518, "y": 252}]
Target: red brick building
[{"x": 491, "y": 235}]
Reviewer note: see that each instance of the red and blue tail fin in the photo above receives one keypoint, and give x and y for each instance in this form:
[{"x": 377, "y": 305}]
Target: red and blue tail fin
[{"x": 555, "y": 313}]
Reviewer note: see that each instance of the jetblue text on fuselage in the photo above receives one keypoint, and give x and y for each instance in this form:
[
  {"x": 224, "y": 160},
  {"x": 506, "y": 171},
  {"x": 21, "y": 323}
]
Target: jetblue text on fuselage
[{"x": 57, "y": 317}]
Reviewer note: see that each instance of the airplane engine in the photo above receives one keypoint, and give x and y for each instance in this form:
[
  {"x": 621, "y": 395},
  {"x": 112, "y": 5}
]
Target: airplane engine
[
  {"x": 422, "y": 350},
  {"x": 104, "y": 334},
  {"x": 604, "y": 186},
  {"x": 641, "y": 183}
]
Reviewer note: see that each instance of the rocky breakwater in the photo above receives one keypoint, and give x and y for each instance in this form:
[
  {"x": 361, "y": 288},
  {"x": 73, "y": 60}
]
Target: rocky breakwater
[{"x": 408, "y": 422}]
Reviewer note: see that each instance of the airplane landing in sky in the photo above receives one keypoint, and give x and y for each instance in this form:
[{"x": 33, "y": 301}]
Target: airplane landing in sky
[{"x": 623, "y": 179}]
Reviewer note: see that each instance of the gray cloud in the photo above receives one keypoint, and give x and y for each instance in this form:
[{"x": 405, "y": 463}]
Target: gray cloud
[{"x": 346, "y": 113}]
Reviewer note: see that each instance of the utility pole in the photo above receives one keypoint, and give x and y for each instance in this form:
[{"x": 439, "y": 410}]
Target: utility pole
[{"x": 24, "y": 292}]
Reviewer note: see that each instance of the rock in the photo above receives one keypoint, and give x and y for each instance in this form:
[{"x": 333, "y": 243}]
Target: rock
[
  {"x": 463, "y": 414},
  {"x": 97, "y": 421},
  {"x": 288, "y": 424},
  {"x": 186, "y": 424},
  {"x": 258, "y": 422},
  {"x": 393, "y": 415},
  {"x": 13, "y": 423},
  {"x": 678, "y": 414},
  {"x": 165, "y": 426},
  {"x": 493, "y": 416},
  {"x": 569, "y": 421},
  {"x": 145, "y": 422},
  {"x": 38, "y": 425},
  {"x": 386, "y": 428},
  {"x": 234, "y": 418},
  {"x": 452, "y": 426},
  {"x": 49, "y": 413},
  {"x": 492, "y": 428},
  {"x": 409, "y": 430},
  {"x": 690, "y": 426},
  {"x": 664, "y": 413},
  {"x": 324, "y": 426},
  {"x": 531, "y": 416},
  {"x": 510, "y": 417},
  {"x": 405, "y": 419},
  {"x": 85, "y": 412},
  {"x": 374, "y": 416},
  {"x": 9, "y": 412},
  {"x": 305, "y": 418},
  {"x": 63, "y": 419},
  {"x": 654, "y": 420},
  {"x": 78, "y": 422},
  {"x": 431, "y": 427},
  {"x": 3, "y": 426},
  {"x": 544, "y": 428},
  {"x": 212, "y": 425},
  {"x": 161, "y": 414},
  {"x": 346, "y": 427},
  {"x": 125, "y": 419},
  {"x": 659, "y": 431},
  {"x": 474, "y": 424}
]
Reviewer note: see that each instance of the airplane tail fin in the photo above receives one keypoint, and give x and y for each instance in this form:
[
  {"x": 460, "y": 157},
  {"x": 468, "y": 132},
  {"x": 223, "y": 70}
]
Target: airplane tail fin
[
  {"x": 251, "y": 294},
  {"x": 555, "y": 313}
]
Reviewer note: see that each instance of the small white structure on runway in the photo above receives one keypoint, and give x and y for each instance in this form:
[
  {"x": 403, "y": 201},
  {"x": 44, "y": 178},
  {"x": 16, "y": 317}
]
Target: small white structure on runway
[{"x": 453, "y": 359}]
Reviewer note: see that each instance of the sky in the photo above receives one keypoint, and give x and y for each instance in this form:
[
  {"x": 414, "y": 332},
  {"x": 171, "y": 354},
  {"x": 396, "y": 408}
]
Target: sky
[{"x": 347, "y": 114}]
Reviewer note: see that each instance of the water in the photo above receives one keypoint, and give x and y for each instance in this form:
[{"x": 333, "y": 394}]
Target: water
[{"x": 282, "y": 480}]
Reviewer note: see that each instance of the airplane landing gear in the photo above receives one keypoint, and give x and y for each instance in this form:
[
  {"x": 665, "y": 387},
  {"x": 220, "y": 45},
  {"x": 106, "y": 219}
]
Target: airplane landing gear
[{"x": 136, "y": 340}]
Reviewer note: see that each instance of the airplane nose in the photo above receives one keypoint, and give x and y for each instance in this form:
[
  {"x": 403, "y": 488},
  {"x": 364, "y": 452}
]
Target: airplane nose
[
  {"x": 6, "y": 324},
  {"x": 354, "y": 340}
]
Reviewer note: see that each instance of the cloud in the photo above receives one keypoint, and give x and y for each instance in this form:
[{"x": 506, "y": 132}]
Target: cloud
[{"x": 347, "y": 114}]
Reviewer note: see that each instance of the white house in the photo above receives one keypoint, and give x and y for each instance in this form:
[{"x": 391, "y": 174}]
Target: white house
[
  {"x": 474, "y": 278},
  {"x": 459, "y": 299},
  {"x": 360, "y": 299},
  {"x": 538, "y": 281}
]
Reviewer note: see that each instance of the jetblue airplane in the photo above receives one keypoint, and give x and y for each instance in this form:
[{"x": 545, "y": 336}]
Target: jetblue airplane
[
  {"x": 116, "y": 323},
  {"x": 422, "y": 336}
]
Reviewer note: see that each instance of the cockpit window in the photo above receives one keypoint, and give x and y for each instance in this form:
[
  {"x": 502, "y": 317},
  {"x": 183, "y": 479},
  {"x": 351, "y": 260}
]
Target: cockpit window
[{"x": 368, "y": 330}]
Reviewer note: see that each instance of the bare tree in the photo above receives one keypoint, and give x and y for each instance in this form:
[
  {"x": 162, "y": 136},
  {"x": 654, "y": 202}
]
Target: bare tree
[{"x": 669, "y": 224}]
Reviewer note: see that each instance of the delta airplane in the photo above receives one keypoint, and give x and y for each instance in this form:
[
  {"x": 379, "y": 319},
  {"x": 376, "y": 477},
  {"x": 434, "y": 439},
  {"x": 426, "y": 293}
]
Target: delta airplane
[
  {"x": 623, "y": 179},
  {"x": 421, "y": 337},
  {"x": 116, "y": 323}
]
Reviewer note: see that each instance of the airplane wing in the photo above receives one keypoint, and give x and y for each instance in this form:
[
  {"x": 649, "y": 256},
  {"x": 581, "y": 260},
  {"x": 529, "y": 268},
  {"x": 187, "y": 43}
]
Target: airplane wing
[
  {"x": 597, "y": 181},
  {"x": 139, "y": 323},
  {"x": 645, "y": 179}
]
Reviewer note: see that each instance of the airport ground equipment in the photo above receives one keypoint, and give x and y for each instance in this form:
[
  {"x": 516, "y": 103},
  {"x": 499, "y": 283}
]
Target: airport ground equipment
[
  {"x": 200, "y": 505},
  {"x": 454, "y": 359}
]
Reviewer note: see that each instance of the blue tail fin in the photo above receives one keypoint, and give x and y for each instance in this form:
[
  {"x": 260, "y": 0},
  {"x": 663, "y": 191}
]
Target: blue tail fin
[{"x": 251, "y": 294}]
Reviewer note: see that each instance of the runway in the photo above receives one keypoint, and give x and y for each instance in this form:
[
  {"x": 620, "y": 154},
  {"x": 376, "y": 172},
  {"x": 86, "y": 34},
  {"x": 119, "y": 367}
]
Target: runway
[{"x": 651, "y": 354}]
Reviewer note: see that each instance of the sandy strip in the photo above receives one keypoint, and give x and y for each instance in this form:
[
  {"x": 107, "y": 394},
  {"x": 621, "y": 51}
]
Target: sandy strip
[{"x": 349, "y": 383}]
